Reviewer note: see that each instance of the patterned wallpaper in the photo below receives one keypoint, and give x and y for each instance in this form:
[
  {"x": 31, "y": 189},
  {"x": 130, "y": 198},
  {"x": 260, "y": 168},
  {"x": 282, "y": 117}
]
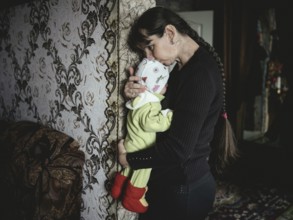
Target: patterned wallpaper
[{"x": 63, "y": 64}]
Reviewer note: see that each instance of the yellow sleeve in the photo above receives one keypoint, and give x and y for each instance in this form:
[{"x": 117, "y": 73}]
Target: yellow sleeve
[{"x": 154, "y": 119}]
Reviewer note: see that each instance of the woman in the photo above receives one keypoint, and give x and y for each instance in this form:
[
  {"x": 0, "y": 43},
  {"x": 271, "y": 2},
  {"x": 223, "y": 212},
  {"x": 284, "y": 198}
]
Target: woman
[{"x": 181, "y": 185}]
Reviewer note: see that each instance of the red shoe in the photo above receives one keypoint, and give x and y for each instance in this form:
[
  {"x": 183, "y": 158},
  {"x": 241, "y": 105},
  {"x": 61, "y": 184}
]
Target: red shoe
[
  {"x": 134, "y": 199},
  {"x": 118, "y": 185}
]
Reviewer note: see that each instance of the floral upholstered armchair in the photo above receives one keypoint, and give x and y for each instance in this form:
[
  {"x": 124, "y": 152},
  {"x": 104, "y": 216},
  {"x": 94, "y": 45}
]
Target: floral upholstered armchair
[{"x": 41, "y": 172}]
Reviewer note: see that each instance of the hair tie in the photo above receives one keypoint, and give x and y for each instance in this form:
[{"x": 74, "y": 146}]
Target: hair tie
[{"x": 224, "y": 115}]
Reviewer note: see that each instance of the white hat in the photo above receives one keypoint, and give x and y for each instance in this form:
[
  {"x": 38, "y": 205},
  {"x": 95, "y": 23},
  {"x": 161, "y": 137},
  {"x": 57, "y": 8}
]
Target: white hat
[{"x": 154, "y": 75}]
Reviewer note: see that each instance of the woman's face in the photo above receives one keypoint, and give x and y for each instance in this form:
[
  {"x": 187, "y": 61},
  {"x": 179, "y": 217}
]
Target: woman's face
[{"x": 161, "y": 49}]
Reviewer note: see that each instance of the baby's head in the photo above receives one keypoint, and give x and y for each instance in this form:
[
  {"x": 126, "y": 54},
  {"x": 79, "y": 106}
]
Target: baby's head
[{"x": 154, "y": 75}]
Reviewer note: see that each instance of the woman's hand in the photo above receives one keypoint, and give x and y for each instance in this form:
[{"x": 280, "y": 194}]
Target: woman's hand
[
  {"x": 132, "y": 87},
  {"x": 122, "y": 154}
]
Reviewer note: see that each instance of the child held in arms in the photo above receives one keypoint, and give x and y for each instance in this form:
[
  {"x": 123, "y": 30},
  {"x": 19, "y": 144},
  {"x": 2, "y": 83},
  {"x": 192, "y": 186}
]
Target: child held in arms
[{"x": 144, "y": 119}]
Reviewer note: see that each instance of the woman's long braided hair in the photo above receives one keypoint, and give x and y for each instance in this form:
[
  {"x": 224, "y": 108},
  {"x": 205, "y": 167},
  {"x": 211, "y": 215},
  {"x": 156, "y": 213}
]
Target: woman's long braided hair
[{"x": 154, "y": 21}]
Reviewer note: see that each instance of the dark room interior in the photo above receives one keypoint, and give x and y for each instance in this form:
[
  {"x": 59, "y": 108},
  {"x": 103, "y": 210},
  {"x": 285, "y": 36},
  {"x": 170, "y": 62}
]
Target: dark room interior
[{"x": 265, "y": 165}]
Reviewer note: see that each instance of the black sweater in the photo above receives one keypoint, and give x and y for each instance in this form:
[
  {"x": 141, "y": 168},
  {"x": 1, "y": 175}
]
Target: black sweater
[{"x": 195, "y": 94}]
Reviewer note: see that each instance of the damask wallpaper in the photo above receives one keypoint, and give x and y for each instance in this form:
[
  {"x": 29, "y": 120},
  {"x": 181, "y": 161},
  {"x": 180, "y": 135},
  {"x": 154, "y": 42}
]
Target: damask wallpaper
[{"x": 63, "y": 64}]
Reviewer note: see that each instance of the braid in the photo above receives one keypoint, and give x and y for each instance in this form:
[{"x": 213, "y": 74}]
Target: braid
[
  {"x": 213, "y": 52},
  {"x": 224, "y": 141}
]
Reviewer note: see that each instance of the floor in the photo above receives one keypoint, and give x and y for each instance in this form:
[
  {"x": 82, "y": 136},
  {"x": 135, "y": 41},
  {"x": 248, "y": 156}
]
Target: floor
[{"x": 259, "y": 185}]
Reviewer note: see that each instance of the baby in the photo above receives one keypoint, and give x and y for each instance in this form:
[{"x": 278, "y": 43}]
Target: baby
[{"x": 144, "y": 119}]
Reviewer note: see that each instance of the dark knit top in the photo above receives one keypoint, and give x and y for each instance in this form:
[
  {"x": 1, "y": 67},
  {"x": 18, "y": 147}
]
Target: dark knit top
[{"x": 180, "y": 154}]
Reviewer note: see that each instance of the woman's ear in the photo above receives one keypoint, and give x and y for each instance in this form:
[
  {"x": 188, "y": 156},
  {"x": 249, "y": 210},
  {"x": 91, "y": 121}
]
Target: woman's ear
[{"x": 171, "y": 33}]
